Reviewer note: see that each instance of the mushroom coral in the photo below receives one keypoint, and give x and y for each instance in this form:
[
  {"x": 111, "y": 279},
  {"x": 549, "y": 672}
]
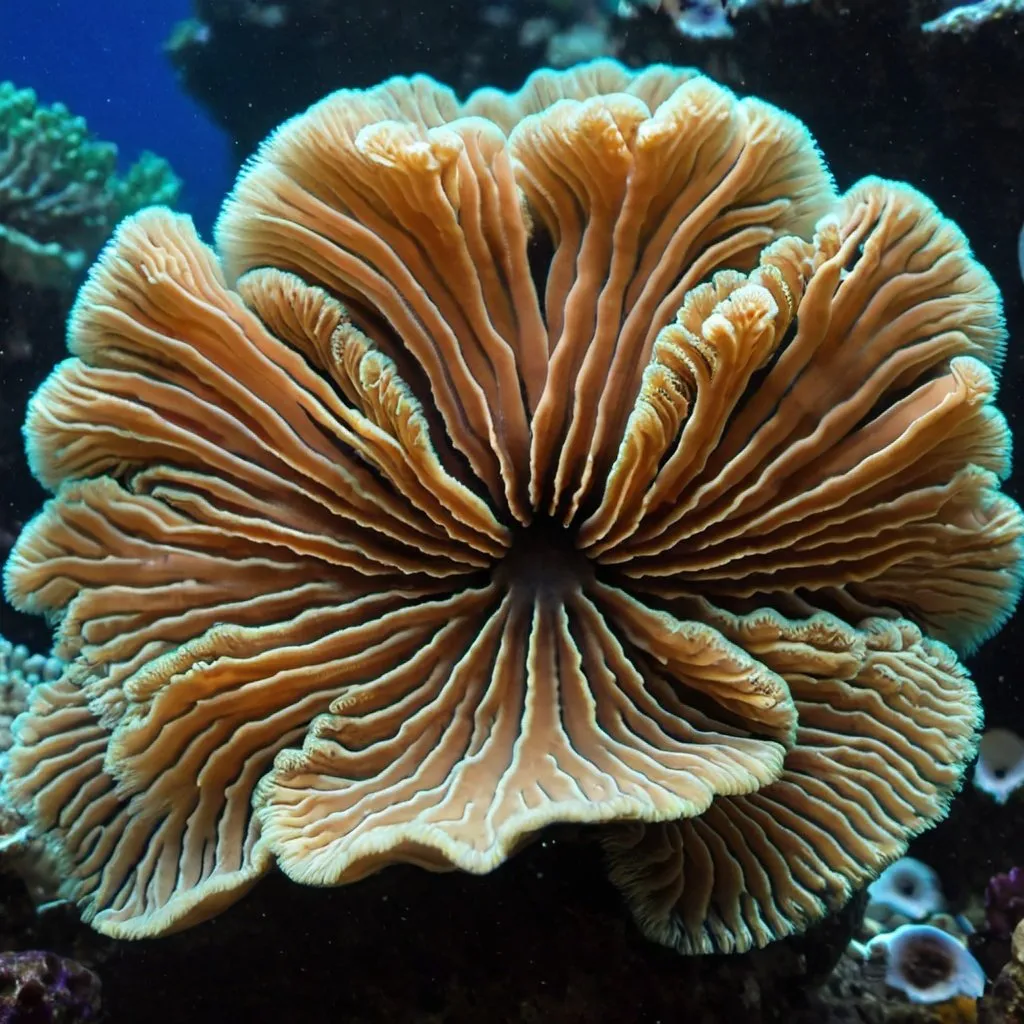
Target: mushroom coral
[{"x": 575, "y": 455}]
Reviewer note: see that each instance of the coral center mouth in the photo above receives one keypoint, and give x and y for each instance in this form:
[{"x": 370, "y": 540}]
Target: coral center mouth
[
  {"x": 544, "y": 561},
  {"x": 929, "y": 966}
]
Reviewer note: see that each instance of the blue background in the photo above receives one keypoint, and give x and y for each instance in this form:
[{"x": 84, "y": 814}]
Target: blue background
[{"x": 104, "y": 60}]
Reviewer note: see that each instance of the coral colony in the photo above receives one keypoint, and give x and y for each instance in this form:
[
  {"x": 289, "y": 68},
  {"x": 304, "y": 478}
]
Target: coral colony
[
  {"x": 576, "y": 454},
  {"x": 927, "y": 964},
  {"x": 1004, "y": 903},
  {"x": 59, "y": 194},
  {"x": 908, "y": 887},
  {"x": 999, "y": 770}
]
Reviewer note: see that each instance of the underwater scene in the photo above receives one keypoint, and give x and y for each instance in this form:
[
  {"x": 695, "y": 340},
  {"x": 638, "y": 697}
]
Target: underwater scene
[{"x": 508, "y": 512}]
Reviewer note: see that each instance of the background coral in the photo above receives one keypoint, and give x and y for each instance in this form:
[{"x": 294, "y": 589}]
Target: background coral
[
  {"x": 999, "y": 770},
  {"x": 60, "y": 197},
  {"x": 907, "y": 887},
  {"x": 44, "y": 988},
  {"x": 1005, "y": 1002},
  {"x": 1004, "y": 902},
  {"x": 927, "y": 964},
  {"x": 20, "y": 854},
  {"x": 20, "y": 670}
]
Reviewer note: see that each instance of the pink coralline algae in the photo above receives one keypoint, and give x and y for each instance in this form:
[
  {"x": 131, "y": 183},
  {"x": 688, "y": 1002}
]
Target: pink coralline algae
[
  {"x": 1004, "y": 903},
  {"x": 43, "y": 988}
]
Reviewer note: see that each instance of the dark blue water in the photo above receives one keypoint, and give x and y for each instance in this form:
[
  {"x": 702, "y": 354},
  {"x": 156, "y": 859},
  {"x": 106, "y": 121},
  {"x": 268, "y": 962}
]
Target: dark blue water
[{"x": 104, "y": 60}]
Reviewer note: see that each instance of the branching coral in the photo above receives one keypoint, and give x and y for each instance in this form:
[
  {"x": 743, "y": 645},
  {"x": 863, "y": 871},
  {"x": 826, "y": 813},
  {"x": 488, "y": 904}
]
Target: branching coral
[
  {"x": 19, "y": 672},
  {"x": 529, "y": 460},
  {"x": 59, "y": 194}
]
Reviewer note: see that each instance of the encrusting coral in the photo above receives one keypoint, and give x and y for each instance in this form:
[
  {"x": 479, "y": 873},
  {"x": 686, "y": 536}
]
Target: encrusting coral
[
  {"x": 574, "y": 455},
  {"x": 59, "y": 194}
]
